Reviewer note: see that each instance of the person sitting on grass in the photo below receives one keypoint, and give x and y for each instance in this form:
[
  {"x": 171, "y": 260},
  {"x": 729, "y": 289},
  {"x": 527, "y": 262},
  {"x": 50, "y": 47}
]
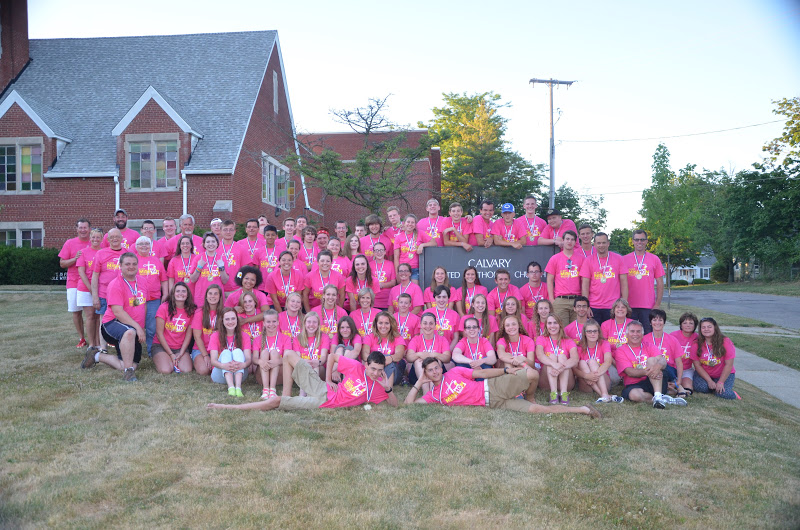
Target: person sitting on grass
[
  {"x": 669, "y": 348},
  {"x": 642, "y": 369},
  {"x": 229, "y": 349},
  {"x": 173, "y": 332},
  {"x": 558, "y": 355},
  {"x": 499, "y": 390},
  {"x": 595, "y": 360},
  {"x": 687, "y": 338},
  {"x": 359, "y": 385},
  {"x": 124, "y": 320},
  {"x": 713, "y": 361},
  {"x": 270, "y": 358}
]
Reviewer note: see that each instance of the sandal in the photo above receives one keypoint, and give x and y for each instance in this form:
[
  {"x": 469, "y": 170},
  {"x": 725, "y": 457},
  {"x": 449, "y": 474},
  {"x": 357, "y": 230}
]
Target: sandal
[
  {"x": 688, "y": 391},
  {"x": 682, "y": 394}
]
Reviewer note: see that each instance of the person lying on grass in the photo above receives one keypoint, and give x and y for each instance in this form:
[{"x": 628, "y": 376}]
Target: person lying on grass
[
  {"x": 359, "y": 385},
  {"x": 499, "y": 390}
]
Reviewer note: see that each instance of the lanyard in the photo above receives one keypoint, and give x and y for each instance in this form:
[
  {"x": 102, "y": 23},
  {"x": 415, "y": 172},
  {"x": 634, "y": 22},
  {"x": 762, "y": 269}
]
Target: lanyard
[
  {"x": 365, "y": 323},
  {"x": 226, "y": 253},
  {"x": 286, "y": 285},
  {"x": 519, "y": 346},
  {"x": 509, "y": 231},
  {"x": 311, "y": 347},
  {"x": 404, "y": 289},
  {"x": 503, "y": 301},
  {"x": 403, "y": 325},
  {"x": 293, "y": 327},
  {"x": 625, "y": 325},
  {"x": 584, "y": 252},
  {"x": 593, "y": 355},
  {"x": 474, "y": 354},
  {"x": 186, "y": 265},
  {"x": 253, "y": 248},
  {"x": 369, "y": 389},
  {"x": 331, "y": 328},
  {"x": 532, "y": 227},
  {"x": 660, "y": 343},
  {"x": 579, "y": 329},
  {"x": 538, "y": 296},
  {"x": 433, "y": 228},
  {"x": 638, "y": 264},
  {"x": 639, "y": 359},
  {"x": 425, "y": 346},
  {"x": 603, "y": 267},
  {"x": 133, "y": 289},
  {"x": 322, "y": 280},
  {"x": 274, "y": 345},
  {"x": 555, "y": 349},
  {"x": 230, "y": 342},
  {"x": 309, "y": 253}
]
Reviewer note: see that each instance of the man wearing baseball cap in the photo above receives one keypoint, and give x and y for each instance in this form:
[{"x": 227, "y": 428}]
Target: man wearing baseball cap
[
  {"x": 129, "y": 235},
  {"x": 553, "y": 233},
  {"x": 505, "y": 232}
]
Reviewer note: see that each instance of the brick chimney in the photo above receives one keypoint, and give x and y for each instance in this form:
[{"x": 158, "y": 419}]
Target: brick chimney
[{"x": 14, "y": 53}]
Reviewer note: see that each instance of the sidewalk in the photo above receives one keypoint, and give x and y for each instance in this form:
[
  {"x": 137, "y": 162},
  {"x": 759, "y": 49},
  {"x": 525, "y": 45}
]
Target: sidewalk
[{"x": 773, "y": 378}]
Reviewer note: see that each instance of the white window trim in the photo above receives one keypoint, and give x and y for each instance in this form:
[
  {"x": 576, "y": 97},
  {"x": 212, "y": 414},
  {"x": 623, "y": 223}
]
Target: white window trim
[
  {"x": 21, "y": 142},
  {"x": 152, "y": 138},
  {"x": 19, "y": 226},
  {"x": 266, "y": 159}
]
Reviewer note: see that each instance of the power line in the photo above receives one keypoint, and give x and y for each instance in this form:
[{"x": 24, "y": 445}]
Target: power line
[
  {"x": 697, "y": 185},
  {"x": 674, "y": 136}
]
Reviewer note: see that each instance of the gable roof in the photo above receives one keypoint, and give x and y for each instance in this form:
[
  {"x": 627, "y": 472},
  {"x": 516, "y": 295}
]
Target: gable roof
[
  {"x": 210, "y": 80},
  {"x": 168, "y": 105},
  {"x": 348, "y": 144},
  {"x": 48, "y": 119}
]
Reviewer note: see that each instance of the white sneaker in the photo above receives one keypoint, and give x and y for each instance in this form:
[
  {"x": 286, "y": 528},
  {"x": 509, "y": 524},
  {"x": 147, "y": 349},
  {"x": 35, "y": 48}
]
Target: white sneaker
[
  {"x": 680, "y": 402},
  {"x": 659, "y": 403}
]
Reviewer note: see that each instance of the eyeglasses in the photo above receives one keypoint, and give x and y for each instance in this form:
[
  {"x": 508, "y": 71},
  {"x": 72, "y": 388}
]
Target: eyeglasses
[
  {"x": 471, "y": 327},
  {"x": 639, "y": 239},
  {"x": 592, "y": 331}
]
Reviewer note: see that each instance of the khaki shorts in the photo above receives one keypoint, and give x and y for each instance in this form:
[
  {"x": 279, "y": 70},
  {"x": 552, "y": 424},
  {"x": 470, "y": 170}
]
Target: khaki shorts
[
  {"x": 503, "y": 391},
  {"x": 308, "y": 380}
]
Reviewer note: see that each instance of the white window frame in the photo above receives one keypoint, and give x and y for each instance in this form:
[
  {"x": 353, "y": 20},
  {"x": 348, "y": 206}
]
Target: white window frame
[
  {"x": 153, "y": 139},
  {"x": 23, "y": 225},
  {"x": 18, "y": 142},
  {"x": 275, "y": 91},
  {"x": 269, "y": 187}
]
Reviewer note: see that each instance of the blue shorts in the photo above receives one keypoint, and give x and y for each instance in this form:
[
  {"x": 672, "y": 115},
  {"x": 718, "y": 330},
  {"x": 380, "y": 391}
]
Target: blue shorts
[
  {"x": 113, "y": 332},
  {"x": 415, "y": 274},
  {"x": 103, "y": 307}
]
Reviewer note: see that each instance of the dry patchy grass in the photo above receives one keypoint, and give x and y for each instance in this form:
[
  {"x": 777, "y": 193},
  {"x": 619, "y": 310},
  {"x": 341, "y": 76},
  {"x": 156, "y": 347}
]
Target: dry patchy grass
[{"x": 83, "y": 449}]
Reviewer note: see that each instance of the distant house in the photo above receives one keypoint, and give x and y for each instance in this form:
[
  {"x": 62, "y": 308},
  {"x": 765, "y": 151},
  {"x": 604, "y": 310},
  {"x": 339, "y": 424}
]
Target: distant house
[
  {"x": 701, "y": 270},
  {"x": 158, "y": 125},
  {"x": 426, "y": 180}
]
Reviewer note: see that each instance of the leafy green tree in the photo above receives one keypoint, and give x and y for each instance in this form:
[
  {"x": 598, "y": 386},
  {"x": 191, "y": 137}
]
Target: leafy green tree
[
  {"x": 620, "y": 241},
  {"x": 383, "y": 169},
  {"x": 784, "y": 151},
  {"x": 476, "y": 161},
  {"x": 581, "y": 209}
]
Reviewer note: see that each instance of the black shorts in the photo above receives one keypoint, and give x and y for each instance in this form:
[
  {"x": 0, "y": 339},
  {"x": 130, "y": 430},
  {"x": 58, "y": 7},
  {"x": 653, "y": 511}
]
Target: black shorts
[
  {"x": 113, "y": 331},
  {"x": 646, "y": 386}
]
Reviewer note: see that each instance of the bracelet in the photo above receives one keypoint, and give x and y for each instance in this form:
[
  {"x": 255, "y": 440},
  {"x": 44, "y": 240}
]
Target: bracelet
[
  {"x": 391, "y": 389},
  {"x": 415, "y": 388},
  {"x": 505, "y": 368}
]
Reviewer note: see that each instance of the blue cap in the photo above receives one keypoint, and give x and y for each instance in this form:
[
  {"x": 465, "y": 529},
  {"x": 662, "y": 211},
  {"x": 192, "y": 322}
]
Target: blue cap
[{"x": 507, "y": 207}]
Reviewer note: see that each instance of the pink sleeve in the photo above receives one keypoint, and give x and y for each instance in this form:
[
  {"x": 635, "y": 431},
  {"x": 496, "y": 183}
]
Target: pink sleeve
[
  {"x": 114, "y": 295},
  {"x": 163, "y": 312},
  {"x": 65, "y": 250},
  {"x": 213, "y": 342}
]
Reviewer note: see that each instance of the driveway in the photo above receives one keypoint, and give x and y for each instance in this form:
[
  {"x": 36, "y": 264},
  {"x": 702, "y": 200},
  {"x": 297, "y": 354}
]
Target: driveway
[{"x": 783, "y": 311}]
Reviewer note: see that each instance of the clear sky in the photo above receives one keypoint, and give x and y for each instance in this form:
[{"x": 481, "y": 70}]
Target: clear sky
[{"x": 644, "y": 69}]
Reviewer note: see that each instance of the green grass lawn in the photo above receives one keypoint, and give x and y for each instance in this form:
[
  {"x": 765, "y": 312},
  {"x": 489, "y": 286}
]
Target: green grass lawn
[
  {"x": 781, "y": 288},
  {"x": 83, "y": 449},
  {"x": 723, "y": 319},
  {"x": 782, "y": 350}
]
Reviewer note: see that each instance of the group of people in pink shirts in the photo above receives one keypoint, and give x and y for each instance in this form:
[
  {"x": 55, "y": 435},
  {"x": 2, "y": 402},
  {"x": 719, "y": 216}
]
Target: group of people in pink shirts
[{"x": 343, "y": 315}]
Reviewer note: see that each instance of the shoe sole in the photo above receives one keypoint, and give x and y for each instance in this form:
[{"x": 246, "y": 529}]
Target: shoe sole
[
  {"x": 88, "y": 360},
  {"x": 594, "y": 413},
  {"x": 659, "y": 405}
]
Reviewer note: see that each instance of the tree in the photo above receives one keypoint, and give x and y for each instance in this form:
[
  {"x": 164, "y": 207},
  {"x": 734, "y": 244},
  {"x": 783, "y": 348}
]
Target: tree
[
  {"x": 669, "y": 210},
  {"x": 581, "y": 209},
  {"x": 383, "y": 169},
  {"x": 476, "y": 162},
  {"x": 620, "y": 241},
  {"x": 787, "y": 145}
]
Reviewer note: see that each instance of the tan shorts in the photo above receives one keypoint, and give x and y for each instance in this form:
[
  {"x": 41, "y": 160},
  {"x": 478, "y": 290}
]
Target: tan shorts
[
  {"x": 503, "y": 391},
  {"x": 308, "y": 380}
]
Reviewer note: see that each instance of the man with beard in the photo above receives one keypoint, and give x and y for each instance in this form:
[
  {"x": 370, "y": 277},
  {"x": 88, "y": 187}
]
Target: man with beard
[{"x": 129, "y": 235}]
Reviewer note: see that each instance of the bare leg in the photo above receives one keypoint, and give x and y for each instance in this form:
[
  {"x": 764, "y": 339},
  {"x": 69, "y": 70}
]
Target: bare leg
[
  {"x": 289, "y": 362},
  {"x": 269, "y": 404},
  {"x": 185, "y": 364},
  {"x": 128, "y": 348},
  {"x": 544, "y": 378},
  {"x": 228, "y": 379},
  {"x": 163, "y": 363},
  {"x": 77, "y": 320},
  {"x": 533, "y": 383},
  {"x": 202, "y": 365},
  {"x": 112, "y": 360},
  {"x": 238, "y": 379},
  {"x": 535, "y": 408},
  {"x": 91, "y": 326}
]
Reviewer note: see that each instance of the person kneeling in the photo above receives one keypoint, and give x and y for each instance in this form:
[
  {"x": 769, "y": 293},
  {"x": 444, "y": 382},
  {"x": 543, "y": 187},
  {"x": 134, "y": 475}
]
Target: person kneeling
[
  {"x": 359, "y": 385},
  {"x": 499, "y": 389}
]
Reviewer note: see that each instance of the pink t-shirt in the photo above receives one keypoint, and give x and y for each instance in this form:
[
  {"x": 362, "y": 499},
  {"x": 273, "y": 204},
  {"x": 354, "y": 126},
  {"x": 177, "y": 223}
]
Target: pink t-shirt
[
  {"x": 197, "y": 323},
  {"x": 493, "y": 328},
  {"x": 599, "y": 353},
  {"x": 526, "y": 323},
  {"x": 355, "y": 389},
  {"x": 642, "y": 273},
  {"x": 457, "y": 388},
  {"x": 235, "y": 298},
  {"x": 282, "y": 243},
  {"x": 412, "y": 289},
  {"x": 496, "y": 299},
  {"x": 603, "y": 294},
  {"x": 474, "y": 351},
  {"x": 179, "y": 269},
  {"x": 68, "y": 251},
  {"x": 315, "y": 283},
  {"x": 385, "y": 346},
  {"x": 434, "y": 228},
  {"x": 288, "y": 325},
  {"x": 520, "y": 348},
  {"x": 574, "y": 331},
  {"x": 407, "y": 326},
  {"x": 437, "y": 345},
  {"x": 227, "y": 343},
  {"x": 533, "y": 228},
  {"x": 342, "y": 265},
  {"x": 462, "y": 227},
  {"x": 308, "y": 254},
  {"x": 369, "y": 241},
  {"x": 253, "y": 329},
  {"x": 125, "y": 294},
  {"x": 175, "y": 328},
  {"x": 531, "y": 295},
  {"x": 446, "y": 322},
  {"x": 313, "y": 350},
  {"x": 234, "y": 260},
  {"x": 614, "y": 333},
  {"x": 552, "y": 348},
  {"x": 512, "y": 233},
  {"x": 549, "y": 233},
  {"x": 353, "y": 287},
  {"x": 129, "y": 237},
  {"x": 350, "y": 341},
  {"x": 383, "y": 273},
  {"x": 86, "y": 260},
  {"x": 279, "y": 341},
  {"x": 687, "y": 344},
  {"x": 630, "y": 357},
  {"x": 480, "y": 226},
  {"x": 106, "y": 264},
  {"x": 456, "y": 295},
  {"x": 152, "y": 272},
  {"x": 249, "y": 250},
  {"x": 280, "y": 286},
  {"x": 329, "y": 319},
  {"x": 165, "y": 248},
  {"x": 408, "y": 247},
  {"x": 364, "y": 320},
  {"x": 427, "y": 295},
  {"x": 565, "y": 271},
  {"x": 209, "y": 275},
  {"x": 712, "y": 364},
  {"x": 667, "y": 345}
]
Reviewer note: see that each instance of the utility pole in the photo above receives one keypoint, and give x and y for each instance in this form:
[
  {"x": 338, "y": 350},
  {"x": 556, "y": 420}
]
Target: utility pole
[{"x": 550, "y": 83}]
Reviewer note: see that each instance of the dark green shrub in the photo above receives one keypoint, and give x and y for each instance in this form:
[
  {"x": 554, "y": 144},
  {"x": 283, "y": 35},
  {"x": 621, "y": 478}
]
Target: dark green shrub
[
  {"x": 30, "y": 266},
  {"x": 676, "y": 283},
  {"x": 701, "y": 281},
  {"x": 719, "y": 273}
]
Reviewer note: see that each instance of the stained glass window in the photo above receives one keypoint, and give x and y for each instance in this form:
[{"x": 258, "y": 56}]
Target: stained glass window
[
  {"x": 144, "y": 173},
  {"x": 21, "y": 168}
]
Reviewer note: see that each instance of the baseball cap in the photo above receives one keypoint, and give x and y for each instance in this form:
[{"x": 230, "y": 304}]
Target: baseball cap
[{"x": 507, "y": 207}]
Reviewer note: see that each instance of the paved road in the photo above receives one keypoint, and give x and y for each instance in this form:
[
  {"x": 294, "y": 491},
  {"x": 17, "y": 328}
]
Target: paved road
[{"x": 781, "y": 311}]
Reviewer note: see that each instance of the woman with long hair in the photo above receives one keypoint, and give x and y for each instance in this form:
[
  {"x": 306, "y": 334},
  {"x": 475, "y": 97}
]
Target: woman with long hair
[
  {"x": 289, "y": 320},
  {"x": 479, "y": 308},
  {"x": 713, "y": 361},
  {"x": 558, "y": 355},
  {"x": 204, "y": 323},
  {"x": 352, "y": 246},
  {"x": 173, "y": 336},
  {"x": 687, "y": 338},
  {"x": 470, "y": 287},
  {"x": 438, "y": 277},
  {"x": 341, "y": 263},
  {"x": 386, "y": 339},
  {"x": 543, "y": 309},
  {"x": 473, "y": 351},
  {"x": 180, "y": 266},
  {"x": 409, "y": 244},
  {"x": 595, "y": 360},
  {"x": 270, "y": 358},
  {"x": 360, "y": 278},
  {"x": 311, "y": 345},
  {"x": 329, "y": 311},
  {"x": 447, "y": 320},
  {"x": 347, "y": 341},
  {"x": 208, "y": 267},
  {"x": 229, "y": 348},
  {"x": 514, "y": 347},
  {"x": 512, "y": 306}
]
